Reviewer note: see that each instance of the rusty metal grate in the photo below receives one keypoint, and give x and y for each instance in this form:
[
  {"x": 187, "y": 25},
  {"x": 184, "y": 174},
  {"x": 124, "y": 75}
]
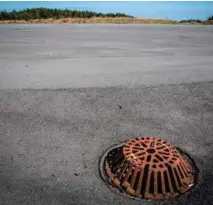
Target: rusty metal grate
[{"x": 150, "y": 168}]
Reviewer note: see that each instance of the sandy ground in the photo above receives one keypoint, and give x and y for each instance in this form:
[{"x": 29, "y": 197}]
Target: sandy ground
[{"x": 68, "y": 92}]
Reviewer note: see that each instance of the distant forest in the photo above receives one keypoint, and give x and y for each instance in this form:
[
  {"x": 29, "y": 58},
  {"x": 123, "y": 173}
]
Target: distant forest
[
  {"x": 44, "y": 13},
  {"x": 210, "y": 18},
  {"x": 196, "y": 20}
]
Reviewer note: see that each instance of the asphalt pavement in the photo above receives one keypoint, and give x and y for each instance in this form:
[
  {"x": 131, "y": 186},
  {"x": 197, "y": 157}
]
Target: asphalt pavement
[{"x": 69, "y": 92}]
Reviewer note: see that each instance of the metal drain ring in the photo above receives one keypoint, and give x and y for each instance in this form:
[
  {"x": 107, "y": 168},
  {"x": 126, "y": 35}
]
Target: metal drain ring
[{"x": 167, "y": 173}]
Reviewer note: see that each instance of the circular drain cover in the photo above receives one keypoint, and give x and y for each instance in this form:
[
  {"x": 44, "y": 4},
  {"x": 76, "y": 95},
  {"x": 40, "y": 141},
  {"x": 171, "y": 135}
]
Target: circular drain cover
[{"x": 148, "y": 168}]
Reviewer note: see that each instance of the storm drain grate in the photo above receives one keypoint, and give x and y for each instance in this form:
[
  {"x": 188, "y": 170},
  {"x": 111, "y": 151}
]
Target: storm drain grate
[{"x": 149, "y": 168}]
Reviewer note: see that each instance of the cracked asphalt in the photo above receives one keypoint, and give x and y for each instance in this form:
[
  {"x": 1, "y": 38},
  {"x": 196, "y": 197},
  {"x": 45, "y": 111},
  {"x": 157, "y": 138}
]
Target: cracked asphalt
[{"x": 69, "y": 92}]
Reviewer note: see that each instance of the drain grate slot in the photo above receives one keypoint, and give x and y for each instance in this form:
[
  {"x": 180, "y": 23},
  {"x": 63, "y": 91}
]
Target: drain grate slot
[
  {"x": 151, "y": 188},
  {"x": 172, "y": 178},
  {"x": 159, "y": 183},
  {"x": 166, "y": 182},
  {"x": 144, "y": 181},
  {"x": 177, "y": 176},
  {"x": 136, "y": 181}
]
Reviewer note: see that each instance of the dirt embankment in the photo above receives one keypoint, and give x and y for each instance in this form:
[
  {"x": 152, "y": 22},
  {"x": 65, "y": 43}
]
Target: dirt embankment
[{"x": 117, "y": 20}]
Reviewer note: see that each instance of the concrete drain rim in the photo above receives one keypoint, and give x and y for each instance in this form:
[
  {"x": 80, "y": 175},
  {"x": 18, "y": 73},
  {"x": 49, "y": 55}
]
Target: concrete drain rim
[{"x": 119, "y": 191}]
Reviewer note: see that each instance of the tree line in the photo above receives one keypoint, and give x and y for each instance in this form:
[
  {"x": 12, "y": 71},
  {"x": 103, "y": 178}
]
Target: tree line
[
  {"x": 45, "y": 13},
  {"x": 191, "y": 21},
  {"x": 196, "y": 20},
  {"x": 210, "y": 18}
]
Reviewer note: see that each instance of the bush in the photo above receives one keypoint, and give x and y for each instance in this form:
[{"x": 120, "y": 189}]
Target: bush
[
  {"x": 191, "y": 21},
  {"x": 210, "y": 18}
]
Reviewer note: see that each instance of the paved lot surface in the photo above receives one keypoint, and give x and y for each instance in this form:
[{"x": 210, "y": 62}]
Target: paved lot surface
[
  {"x": 61, "y": 56},
  {"x": 125, "y": 81}
]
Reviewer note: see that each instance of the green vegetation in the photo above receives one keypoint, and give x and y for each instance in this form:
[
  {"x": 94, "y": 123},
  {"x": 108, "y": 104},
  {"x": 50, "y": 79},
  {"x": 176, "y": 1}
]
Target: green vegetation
[
  {"x": 210, "y": 18},
  {"x": 44, "y": 13},
  {"x": 192, "y": 21}
]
